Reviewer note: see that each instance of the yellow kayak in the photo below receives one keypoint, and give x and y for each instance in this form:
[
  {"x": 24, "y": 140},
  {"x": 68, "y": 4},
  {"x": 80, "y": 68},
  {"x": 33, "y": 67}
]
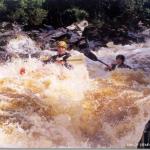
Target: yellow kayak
[{"x": 74, "y": 59}]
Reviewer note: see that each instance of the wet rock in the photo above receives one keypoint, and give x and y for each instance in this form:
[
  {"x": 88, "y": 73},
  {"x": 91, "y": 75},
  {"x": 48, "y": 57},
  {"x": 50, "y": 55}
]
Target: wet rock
[
  {"x": 8, "y": 31},
  {"x": 145, "y": 140},
  {"x": 139, "y": 38},
  {"x": 91, "y": 32},
  {"x": 22, "y": 44},
  {"x": 4, "y": 26},
  {"x": 146, "y": 33},
  {"x": 104, "y": 34},
  {"x": 49, "y": 36},
  {"x": 48, "y": 27},
  {"x": 14, "y": 40},
  {"x": 4, "y": 56}
]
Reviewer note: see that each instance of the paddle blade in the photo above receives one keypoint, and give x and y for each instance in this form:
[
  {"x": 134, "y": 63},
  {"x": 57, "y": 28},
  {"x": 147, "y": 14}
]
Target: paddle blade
[{"x": 91, "y": 56}]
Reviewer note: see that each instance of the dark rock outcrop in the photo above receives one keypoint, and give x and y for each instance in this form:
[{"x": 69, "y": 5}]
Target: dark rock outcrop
[
  {"x": 106, "y": 33},
  {"x": 79, "y": 36},
  {"x": 145, "y": 140}
]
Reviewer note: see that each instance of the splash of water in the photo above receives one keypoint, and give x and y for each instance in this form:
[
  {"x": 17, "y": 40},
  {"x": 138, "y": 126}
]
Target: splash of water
[
  {"x": 22, "y": 44},
  {"x": 50, "y": 106}
]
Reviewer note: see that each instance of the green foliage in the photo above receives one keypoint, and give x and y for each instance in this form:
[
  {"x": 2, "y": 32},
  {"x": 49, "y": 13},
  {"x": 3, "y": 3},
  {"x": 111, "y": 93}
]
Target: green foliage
[
  {"x": 76, "y": 14},
  {"x": 36, "y": 16},
  {"x": 20, "y": 16},
  {"x": 64, "y": 12},
  {"x": 26, "y": 11},
  {"x": 2, "y": 6}
]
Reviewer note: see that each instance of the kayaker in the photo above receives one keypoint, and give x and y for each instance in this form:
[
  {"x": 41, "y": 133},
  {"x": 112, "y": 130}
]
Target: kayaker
[
  {"x": 119, "y": 63},
  {"x": 61, "y": 56}
]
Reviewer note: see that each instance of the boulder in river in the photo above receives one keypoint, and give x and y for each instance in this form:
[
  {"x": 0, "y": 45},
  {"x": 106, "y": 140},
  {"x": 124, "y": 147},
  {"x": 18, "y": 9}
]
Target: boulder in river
[
  {"x": 145, "y": 140},
  {"x": 72, "y": 34},
  {"x": 22, "y": 44}
]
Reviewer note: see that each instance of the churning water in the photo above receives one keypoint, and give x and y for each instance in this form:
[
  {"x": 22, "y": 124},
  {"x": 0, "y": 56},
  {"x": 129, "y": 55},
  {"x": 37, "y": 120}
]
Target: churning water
[{"x": 50, "y": 106}]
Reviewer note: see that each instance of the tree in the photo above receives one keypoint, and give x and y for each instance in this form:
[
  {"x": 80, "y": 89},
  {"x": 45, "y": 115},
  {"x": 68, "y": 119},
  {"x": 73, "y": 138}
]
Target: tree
[
  {"x": 2, "y": 5},
  {"x": 2, "y": 10},
  {"x": 63, "y": 12},
  {"x": 25, "y": 11},
  {"x": 37, "y": 16},
  {"x": 75, "y": 14}
]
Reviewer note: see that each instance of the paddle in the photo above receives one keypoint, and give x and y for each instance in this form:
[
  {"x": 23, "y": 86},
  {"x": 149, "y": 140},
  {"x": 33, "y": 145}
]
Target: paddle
[{"x": 93, "y": 57}]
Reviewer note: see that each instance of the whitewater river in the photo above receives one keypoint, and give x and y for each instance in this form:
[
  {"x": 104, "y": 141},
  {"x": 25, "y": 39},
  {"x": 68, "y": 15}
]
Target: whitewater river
[{"x": 50, "y": 106}]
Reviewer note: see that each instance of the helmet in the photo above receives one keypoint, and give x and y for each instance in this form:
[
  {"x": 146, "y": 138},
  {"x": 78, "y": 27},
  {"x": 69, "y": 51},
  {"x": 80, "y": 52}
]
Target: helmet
[{"x": 62, "y": 44}]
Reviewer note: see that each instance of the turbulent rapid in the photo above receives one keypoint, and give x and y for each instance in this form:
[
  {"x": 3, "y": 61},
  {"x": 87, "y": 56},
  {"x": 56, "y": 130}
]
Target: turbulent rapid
[{"x": 51, "y": 106}]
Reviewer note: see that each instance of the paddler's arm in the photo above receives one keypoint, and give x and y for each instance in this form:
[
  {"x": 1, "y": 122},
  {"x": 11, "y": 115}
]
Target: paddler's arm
[
  {"x": 111, "y": 67},
  {"x": 66, "y": 57},
  {"x": 51, "y": 59},
  {"x": 129, "y": 67},
  {"x": 68, "y": 66}
]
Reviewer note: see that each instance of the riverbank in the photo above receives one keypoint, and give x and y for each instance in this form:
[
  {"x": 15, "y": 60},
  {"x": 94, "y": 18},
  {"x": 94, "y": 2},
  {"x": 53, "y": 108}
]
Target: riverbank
[{"x": 81, "y": 36}]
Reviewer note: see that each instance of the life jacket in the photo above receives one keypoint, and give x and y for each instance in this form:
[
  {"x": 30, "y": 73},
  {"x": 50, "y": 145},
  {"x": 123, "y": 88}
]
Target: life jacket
[
  {"x": 60, "y": 57},
  {"x": 114, "y": 66}
]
